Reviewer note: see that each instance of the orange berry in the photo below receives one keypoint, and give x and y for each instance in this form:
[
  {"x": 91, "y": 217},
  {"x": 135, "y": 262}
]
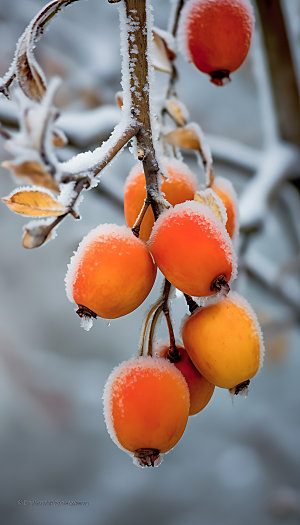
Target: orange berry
[
  {"x": 192, "y": 249},
  {"x": 200, "y": 389},
  {"x": 180, "y": 186},
  {"x": 224, "y": 189},
  {"x": 224, "y": 342},
  {"x": 215, "y": 35},
  {"x": 146, "y": 407},
  {"x": 111, "y": 273}
]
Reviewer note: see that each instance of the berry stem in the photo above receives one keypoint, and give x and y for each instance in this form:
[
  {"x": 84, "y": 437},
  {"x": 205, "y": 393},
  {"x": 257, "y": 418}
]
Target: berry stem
[
  {"x": 193, "y": 306},
  {"x": 162, "y": 307},
  {"x": 150, "y": 313},
  {"x": 137, "y": 225}
]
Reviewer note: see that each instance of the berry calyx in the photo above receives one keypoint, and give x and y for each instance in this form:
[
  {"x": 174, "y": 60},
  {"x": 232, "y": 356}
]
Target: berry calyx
[
  {"x": 146, "y": 408},
  {"x": 111, "y": 273},
  {"x": 215, "y": 35},
  {"x": 179, "y": 187},
  {"x": 200, "y": 389},
  {"x": 224, "y": 342},
  {"x": 193, "y": 250}
]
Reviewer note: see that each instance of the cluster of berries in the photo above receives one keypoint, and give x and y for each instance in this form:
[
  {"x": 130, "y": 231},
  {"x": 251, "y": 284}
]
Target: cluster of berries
[{"x": 148, "y": 399}]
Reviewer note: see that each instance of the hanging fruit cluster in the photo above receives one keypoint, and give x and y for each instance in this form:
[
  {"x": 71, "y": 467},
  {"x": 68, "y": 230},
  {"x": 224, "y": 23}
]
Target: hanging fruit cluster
[{"x": 173, "y": 224}]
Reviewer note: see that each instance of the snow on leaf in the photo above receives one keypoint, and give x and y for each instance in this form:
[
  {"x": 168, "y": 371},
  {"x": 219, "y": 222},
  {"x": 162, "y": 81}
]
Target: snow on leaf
[
  {"x": 162, "y": 56},
  {"x": 177, "y": 111},
  {"x": 36, "y": 234},
  {"x": 34, "y": 203},
  {"x": 59, "y": 139},
  {"x": 32, "y": 172},
  {"x": 214, "y": 202}
]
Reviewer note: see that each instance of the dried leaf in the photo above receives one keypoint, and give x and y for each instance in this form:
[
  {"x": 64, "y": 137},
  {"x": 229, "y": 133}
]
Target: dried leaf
[
  {"x": 24, "y": 66},
  {"x": 177, "y": 111},
  {"x": 34, "y": 203},
  {"x": 185, "y": 138},
  {"x": 192, "y": 137},
  {"x": 162, "y": 56},
  {"x": 35, "y": 235},
  {"x": 119, "y": 99},
  {"x": 214, "y": 202},
  {"x": 59, "y": 139},
  {"x": 32, "y": 173}
]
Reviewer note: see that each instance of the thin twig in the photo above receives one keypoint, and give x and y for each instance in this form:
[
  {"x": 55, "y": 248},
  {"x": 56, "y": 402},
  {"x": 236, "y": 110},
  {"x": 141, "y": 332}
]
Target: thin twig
[{"x": 137, "y": 225}]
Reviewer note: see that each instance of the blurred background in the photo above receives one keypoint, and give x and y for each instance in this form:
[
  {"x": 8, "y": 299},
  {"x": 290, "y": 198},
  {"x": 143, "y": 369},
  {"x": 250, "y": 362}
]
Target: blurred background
[{"x": 238, "y": 461}]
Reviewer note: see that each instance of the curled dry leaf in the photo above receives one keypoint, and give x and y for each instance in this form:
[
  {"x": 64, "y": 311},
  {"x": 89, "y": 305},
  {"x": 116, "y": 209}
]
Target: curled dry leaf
[
  {"x": 24, "y": 66},
  {"x": 214, "y": 202},
  {"x": 185, "y": 138},
  {"x": 162, "y": 52},
  {"x": 177, "y": 111},
  {"x": 59, "y": 139},
  {"x": 191, "y": 137},
  {"x": 34, "y": 203},
  {"x": 35, "y": 235},
  {"x": 32, "y": 172},
  {"x": 119, "y": 99}
]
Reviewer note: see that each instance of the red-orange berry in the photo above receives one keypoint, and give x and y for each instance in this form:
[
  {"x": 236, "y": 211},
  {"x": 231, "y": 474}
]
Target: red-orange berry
[
  {"x": 224, "y": 189},
  {"x": 146, "y": 407},
  {"x": 193, "y": 249},
  {"x": 179, "y": 187},
  {"x": 200, "y": 389},
  {"x": 111, "y": 273},
  {"x": 215, "y": 35},
  {"x": 224, "y": 342}
]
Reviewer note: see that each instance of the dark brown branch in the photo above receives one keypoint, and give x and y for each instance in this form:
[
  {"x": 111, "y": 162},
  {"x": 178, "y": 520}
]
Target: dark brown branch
[{"x": 139, "y": 67}]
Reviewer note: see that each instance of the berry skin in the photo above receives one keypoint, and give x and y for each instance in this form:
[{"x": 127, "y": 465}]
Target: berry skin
[
  {"x": 224, "y": 342},
  {"x": 192, "y": 249},
  {"x": 111, "y": 273},
  {"x": 215, "y": 35},
  {"x": 146, "y": 407},
  {"x": 200, "y": 389},
  {"x": 224, "y": 189},
  {"x": 180, "y": 186}
]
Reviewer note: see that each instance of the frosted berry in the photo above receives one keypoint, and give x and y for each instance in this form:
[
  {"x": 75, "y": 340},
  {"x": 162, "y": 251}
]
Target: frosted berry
[
  {"x": 224, "y": 342},
  {"x": 111, "y": 273},
  {"x": 146, "y": 407},
  {"x": 224, "y": 189},
  {"x": 200, "y": 389},
  {"x": 179, "y": 187},
  {"x": 193, "y": 249},
  {"x": 215, "y": 35}
]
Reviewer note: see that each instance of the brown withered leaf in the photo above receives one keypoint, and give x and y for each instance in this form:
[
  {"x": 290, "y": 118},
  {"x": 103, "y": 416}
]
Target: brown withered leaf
[
  {"x": 162, "y": 55},
  {"x": 32, "y": 173},
  {"x": 24, "y": 66},
  {"x": 59, "y": 139},
  {"x": 211, "y": 200},
  {"x": 34, "y": 203},
  {"x": 36, "y": 235},
  {"x": 177, "y": 111},
  {"x": 119, "y": 99},
  {"x": 185, "y": 138}
]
